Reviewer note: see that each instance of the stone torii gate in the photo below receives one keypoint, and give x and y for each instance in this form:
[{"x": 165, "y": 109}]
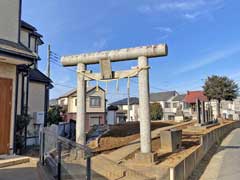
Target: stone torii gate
[{"x": 105, "y": 58}]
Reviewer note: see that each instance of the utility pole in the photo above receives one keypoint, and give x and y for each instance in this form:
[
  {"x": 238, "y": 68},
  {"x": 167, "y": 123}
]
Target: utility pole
[{"x": 48, "y": 61}]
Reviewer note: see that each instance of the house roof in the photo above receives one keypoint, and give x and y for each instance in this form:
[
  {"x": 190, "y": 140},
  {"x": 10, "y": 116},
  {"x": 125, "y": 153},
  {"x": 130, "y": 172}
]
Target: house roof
[
  {"x": 53, "y": 102},
  {"x": 162, "y": 96},
  {"x": 37, "y": 34},
  {"x": 33, "y": 30},
  {"x": 36, "y": 75},
  {"x": 69, "y": 93},
  {"x": 192, "y": 96},
  {"x": 179, "y": 97},
  {"x": 133, "y": 100},
  {"x": 27, "y": 26},
  {"x": 16, "y": 49}
]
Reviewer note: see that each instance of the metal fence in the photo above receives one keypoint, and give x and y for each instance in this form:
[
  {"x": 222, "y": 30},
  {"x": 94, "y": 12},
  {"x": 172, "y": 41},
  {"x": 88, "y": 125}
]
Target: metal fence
[{"x": 64, "y": 158}]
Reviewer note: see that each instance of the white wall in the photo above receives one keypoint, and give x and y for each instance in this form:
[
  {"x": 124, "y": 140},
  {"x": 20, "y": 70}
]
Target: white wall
[
  {"x": 36, "y": 99},
  {"x": 9, "y": 19},
  {"x": 32, "y": 43},
  {"x": 24, "y": 37},
  {"x": 111, "y": 117},
  {"x": 134, "y": 111}
]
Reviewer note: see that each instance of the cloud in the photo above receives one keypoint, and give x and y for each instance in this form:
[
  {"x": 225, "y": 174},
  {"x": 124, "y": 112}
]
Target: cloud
[
  {"x": 191, "y": 15},
  {"x": 180, "y": 5},
  {"x": 100, "y": 44},
  {"x": 235, "y": 75},
  {"x": 189, "y": 9},
  {"x": 145, "y": 9},
  {"x": 209, "y": 59},
  {"x": 164, "y": 29}
]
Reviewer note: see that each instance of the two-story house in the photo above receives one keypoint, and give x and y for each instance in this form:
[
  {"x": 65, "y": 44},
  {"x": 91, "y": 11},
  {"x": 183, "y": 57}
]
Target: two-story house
[
  {"x": 95, "y": 106},
  {"x": 20, "y": 81},
  {"x": 165, "y": 99}
]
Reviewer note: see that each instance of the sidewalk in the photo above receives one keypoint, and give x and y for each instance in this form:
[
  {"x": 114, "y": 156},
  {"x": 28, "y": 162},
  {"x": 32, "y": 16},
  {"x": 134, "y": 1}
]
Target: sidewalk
[
  {"x": 225, "y": 164},
  {"x": 25, "y": 171}
]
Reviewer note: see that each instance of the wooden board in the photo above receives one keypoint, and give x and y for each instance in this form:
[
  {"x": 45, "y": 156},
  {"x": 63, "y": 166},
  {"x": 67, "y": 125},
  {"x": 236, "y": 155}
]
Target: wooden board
[{"x": 5, "y": 114}]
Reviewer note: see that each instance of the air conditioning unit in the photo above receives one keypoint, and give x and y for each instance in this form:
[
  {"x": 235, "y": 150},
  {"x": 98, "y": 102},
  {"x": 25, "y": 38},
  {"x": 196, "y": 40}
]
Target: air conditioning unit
[{"x": 39, "y": 117}]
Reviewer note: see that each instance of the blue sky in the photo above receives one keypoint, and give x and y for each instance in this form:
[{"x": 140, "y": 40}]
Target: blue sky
[{"x": 202, "y": 36}]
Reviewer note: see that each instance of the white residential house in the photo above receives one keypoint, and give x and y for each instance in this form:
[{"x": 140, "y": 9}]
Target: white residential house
[
  {"x": 166, "y": 101},
  {"x": 121, "y": 113},
  {"x": 231, "y": 109}
]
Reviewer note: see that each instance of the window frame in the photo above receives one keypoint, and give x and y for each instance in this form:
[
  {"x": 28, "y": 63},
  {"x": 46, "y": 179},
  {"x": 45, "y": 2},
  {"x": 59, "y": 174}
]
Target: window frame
[
  {"x": 167, "y": 105},
  {"x": 92, "y": 105}
]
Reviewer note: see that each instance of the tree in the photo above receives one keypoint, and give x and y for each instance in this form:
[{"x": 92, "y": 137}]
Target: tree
[
  {"x": 220, "y": 88},
  {"x": 22, "y": 122},
  {"x": 54, "y": 115},
  {"x": 156, "y": 111}
]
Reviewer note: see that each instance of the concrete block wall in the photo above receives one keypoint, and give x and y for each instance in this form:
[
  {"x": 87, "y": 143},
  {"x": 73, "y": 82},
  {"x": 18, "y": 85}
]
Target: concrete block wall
[{"x": 185, "y": 168}]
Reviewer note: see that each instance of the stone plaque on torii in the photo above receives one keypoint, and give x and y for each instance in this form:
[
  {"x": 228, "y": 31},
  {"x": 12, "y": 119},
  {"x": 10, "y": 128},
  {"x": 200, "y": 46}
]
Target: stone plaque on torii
[{"x": 105, "y": 58}]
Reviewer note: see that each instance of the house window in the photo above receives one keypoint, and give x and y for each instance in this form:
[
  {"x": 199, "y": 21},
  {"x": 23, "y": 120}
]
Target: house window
[
  {"x": 95, "y": 101},
  {"x": 171, "y": 117},
  {"x": 186, "y": 105},
  {"x": 175, "y": 105},
  {"x": 167, "y": 105},
  {"x": 75, "y": 102},
  {"x": 62, "y": 102},
  {"x": 94, "y": 121}
]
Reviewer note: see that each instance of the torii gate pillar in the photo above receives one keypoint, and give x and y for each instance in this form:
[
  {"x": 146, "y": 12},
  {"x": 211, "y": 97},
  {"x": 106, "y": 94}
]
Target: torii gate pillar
[
  {"x": 144, "y": 113},
  {"x": 81, "y": 105}
]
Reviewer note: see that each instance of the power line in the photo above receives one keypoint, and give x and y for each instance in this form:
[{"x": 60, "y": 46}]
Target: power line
[
  {"x": 63, "y": 85},
  {"x": 58, "y": 64}
]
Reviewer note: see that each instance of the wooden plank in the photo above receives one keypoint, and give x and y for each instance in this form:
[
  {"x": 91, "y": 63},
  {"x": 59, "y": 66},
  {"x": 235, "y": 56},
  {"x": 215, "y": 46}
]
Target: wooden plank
[{"x": 5, "y": 114}]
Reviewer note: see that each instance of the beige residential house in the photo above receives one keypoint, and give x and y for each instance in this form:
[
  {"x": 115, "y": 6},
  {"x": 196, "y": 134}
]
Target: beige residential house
[
  {"x": 20, "y": 79},
  {"x": 95, "y": 106}
]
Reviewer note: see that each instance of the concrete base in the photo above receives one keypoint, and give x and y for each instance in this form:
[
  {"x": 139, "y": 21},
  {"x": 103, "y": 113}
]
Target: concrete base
[
  {"x": 145, "y": 158},
  {"x": 200, "y": 126},
  {"x": 6, "y": 161},
  {"x": 171, "y": 140}
]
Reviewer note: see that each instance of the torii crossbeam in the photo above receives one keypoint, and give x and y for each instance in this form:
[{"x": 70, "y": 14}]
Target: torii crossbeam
[{"x": 105, "y": 58}]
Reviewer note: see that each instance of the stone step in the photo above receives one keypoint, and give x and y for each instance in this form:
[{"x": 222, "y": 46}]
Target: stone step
[
  {"x": 114, "y": 171},
  {"x": 107, "y": 168},
  {"x": 6, "y": 161}
]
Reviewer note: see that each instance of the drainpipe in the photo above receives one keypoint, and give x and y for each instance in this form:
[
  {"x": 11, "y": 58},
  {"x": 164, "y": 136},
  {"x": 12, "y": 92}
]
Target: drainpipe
[
  {"x": 46, "y": 104},
  {"x": 22, "y": 95},
  {"x": 26, "y": 106},
  {"x": 15, "y": 110}
]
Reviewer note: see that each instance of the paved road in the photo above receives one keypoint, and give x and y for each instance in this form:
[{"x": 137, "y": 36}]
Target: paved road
[
  {"x": 225, "y": 164},
  {"x": 25, "y": 171}
]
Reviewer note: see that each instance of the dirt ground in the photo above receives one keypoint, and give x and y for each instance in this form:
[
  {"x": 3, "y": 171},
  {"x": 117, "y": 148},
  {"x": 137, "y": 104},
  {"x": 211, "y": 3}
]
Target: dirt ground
[{"x": 123, "y": 134}]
